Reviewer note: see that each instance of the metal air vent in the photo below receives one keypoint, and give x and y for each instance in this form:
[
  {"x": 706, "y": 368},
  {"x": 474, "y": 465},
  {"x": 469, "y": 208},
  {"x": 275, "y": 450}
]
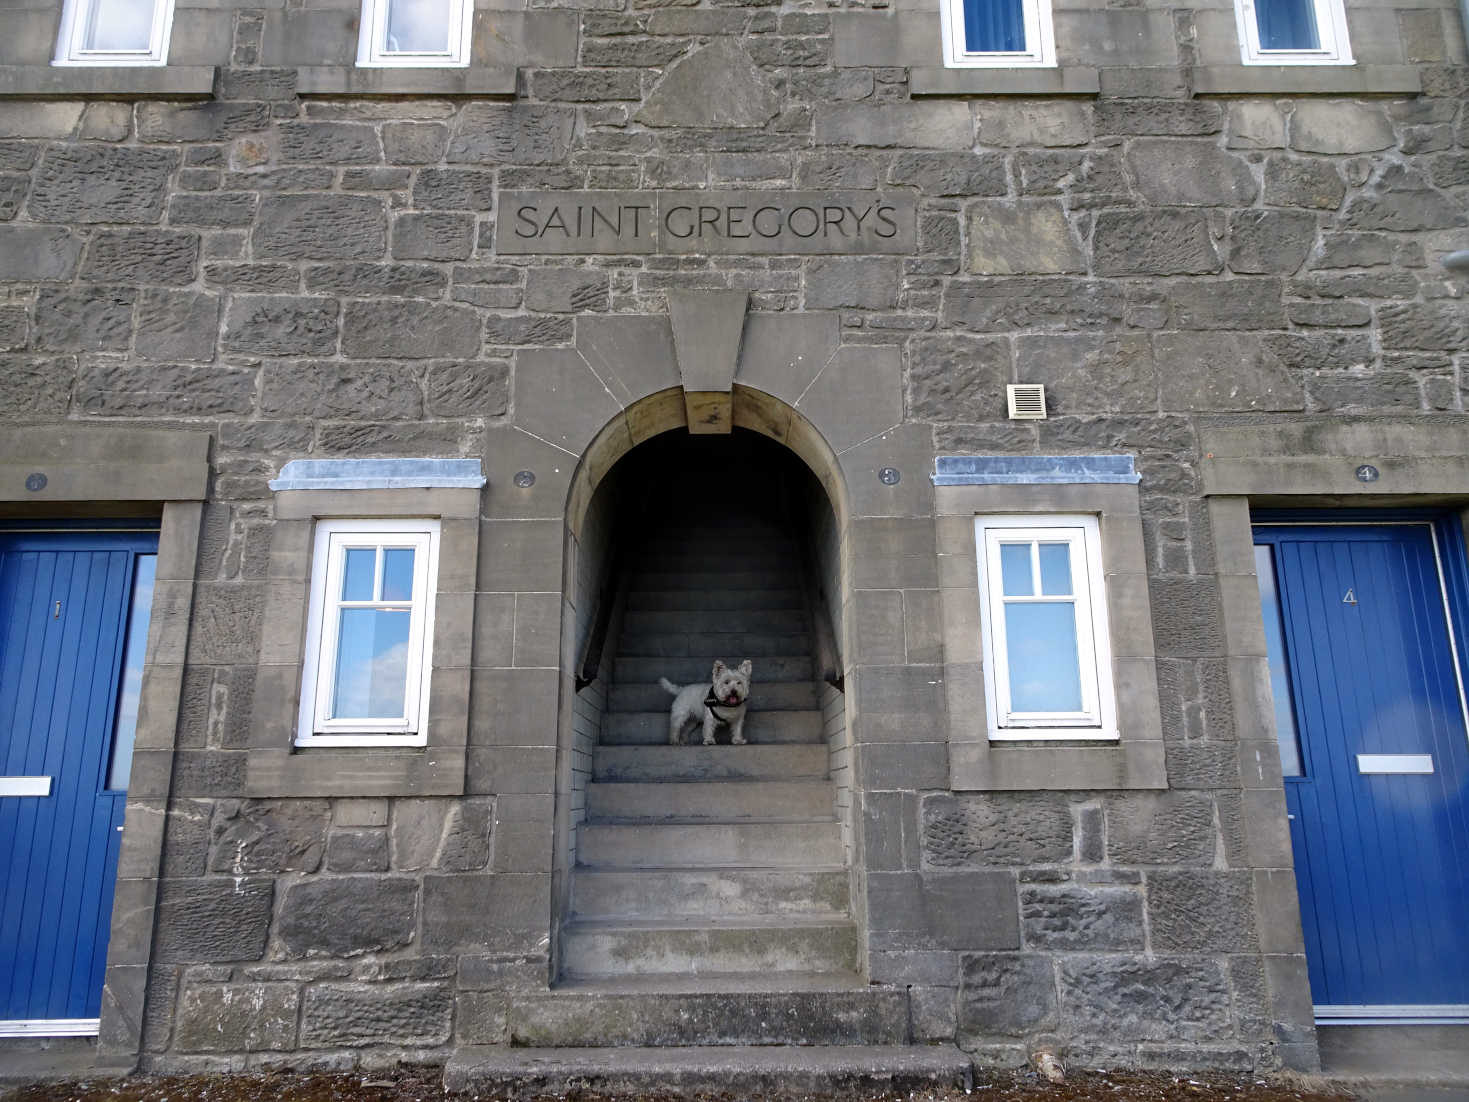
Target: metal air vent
[{"x": 1027, "y": 401}]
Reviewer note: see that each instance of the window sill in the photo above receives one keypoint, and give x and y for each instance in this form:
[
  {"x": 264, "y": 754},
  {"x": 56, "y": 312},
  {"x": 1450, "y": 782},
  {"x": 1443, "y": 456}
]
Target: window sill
[
  {"x": 429, "y": 771},
  {"x": 131, "y": 81},
  {"x": 1304, "y": 80},
  {"x": 342, "y": 80},
  {"x": 982, "y": 81}
]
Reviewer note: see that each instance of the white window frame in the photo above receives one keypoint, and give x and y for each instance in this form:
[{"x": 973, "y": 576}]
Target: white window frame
[
  {"x": 371, "y": 39},
  {"x": 69, "y": 49},
  {"x": 1331, "y": 28},
  {"x": 1097, "y": 718},
  {"x": 316, "y": 727},
  {"x": 1040, "y": 38}
]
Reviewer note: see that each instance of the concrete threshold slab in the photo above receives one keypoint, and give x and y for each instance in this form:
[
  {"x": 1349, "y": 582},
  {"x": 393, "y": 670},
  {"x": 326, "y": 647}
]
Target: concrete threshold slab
[
  {"x": 1381, "y": 1056},
  {"x": 526, "y": 1072}
]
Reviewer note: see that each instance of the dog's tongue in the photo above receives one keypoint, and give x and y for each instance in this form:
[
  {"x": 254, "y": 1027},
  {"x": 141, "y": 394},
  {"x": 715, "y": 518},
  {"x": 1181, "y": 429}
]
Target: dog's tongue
[{"x": 732, "y": 699}]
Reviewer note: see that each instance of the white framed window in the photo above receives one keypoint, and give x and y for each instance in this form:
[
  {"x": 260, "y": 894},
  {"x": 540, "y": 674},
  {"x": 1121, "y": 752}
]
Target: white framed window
[
  {"x": 415, "y": 32},
  {"x": 1043, "y": 619},
  {"x": 114, "y": 32},
  {"x": 1292, "y": 32},
  {"x": 997, "y": 33},
  {"x": 368, "y": 637}
]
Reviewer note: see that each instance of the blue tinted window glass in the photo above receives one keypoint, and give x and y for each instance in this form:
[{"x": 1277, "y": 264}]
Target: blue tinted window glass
[
  {"x": 1015, "y": 576},
  {"x": 1055, "y": 569},
  {"x": 397, "y": 574},
  {"x": 1045, "y": 670},
  {"x": 357, "y": 574},
  {"x": 1285, "y": 719},
  {"x": 125, "y": 730},
  {"x": 1287, "y": 25},
  {"x": 372, "y": 663},
  {"x": 994, "y": 26},
  {"x": 417, "y": 26}
]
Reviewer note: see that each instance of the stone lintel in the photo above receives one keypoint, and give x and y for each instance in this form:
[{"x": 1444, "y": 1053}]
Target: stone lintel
[{"x": 94, "y": 463}]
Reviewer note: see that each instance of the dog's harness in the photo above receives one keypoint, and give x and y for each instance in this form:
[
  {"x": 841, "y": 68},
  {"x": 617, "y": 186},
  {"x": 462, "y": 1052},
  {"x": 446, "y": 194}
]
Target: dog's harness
[{"x": 713, "y": 703}]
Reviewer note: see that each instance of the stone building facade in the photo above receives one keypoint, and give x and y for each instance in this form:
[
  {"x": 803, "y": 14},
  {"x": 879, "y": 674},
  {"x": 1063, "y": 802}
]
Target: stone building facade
[{"x": 1228, "y": 279}]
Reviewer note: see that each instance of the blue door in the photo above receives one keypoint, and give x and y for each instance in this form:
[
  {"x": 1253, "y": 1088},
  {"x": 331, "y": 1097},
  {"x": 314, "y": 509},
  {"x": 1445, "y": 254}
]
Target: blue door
[
  {"x": 73, "y": 624},
  {"x": 1370, "y": 713}
]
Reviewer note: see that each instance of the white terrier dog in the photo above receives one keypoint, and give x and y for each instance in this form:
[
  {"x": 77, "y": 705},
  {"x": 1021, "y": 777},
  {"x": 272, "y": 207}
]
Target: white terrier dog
[{"x": 717, "y": 702}]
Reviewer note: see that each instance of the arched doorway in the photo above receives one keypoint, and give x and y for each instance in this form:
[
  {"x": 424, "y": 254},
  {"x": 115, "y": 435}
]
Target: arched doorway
[{"x": 678, "y": 861}]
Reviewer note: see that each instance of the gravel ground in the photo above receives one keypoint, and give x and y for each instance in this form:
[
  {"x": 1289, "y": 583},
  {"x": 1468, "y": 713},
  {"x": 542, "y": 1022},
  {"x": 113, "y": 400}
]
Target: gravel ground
[{"x": 410, "y": 1084}]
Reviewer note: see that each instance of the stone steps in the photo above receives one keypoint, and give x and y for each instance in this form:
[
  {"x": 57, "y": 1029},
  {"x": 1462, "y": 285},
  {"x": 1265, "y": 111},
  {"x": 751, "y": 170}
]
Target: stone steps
[
  {"x": 732, "y": 646},
  {"x": 715, "y": 599},
  {"x": 812, "y": 1013},
  {"x": 704, "y": 844},
  {"x": 605, "y": 948},
  {"x": 716, "y": 800},
  {"x": 776, "y": 696},
  {"x": 693, "y": 892},
  {"x": 762, "y": 728},
  {"x": 656, "y": 764},
  {"x": 772, "y": 580},
  {"x": 772, "y": 621},
  {"x": 741, "y": 1071},
  {"x": 682, "y": 669}
]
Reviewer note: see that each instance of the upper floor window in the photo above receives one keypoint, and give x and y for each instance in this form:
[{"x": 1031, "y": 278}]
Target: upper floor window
[
  {"x": 1000, "y": 33},
  {"x": 415, "y": 32},
  {"x": 1293, "y": 32},
  {"x": 114, "y": 32}
]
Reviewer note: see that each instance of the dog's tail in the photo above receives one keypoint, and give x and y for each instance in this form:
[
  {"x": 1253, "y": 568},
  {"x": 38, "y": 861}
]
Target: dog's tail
[{"x": 669, "y": 687}]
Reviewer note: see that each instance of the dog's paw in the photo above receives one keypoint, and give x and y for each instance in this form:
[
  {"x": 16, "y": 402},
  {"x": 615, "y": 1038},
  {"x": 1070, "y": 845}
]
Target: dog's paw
[
  {"x": 709, "y": 740},
  {"x": 737, "y": 740}
]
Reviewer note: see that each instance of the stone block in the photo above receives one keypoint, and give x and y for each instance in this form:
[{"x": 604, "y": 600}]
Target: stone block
[
  {"x": 1090, "y": 373},
  {"x": 414, "y": 143},
  {"x": 1398, "y": 200},
  {"x": 177, "y": 325},
  {"x": 566, "y": 290},
  {"x": 482, "y": 386},
  {"x": 493, "y": 133},
  {"x": 1336, "y": 126},
  {"x": 39, "y": 119},
  {"x": 14, "y": 328},
  {"x": 344, "y": 916},
  {"x": 486, "y": 913},
  {"x": 237, "y": 1017},
  {"x": 37, "y": 385},
  {"x": 88, "y": 182},
  {"x": 357, "y": 1014},
  {"x": 1322, "y": 351},
  {"x": 357, "y": 851},
  {"x": 1190, "y": 174},
  {"x": 936, "y": 125},
  {"x": 858, "y": 283},
  {"x": 467, "y": 836},
  {"x": 1175, "y": 828},
  {"x": 1031, "y": 236},
  {"x": 214, "y": 919},
  {"x": 1223, "y": 372},
  {"x": 1428, "y": 326},
  {"x": 1270, "y": 241},
  {"x": 216, "y": 210},
  {"x": 1154, "y": 242},
  {"x": 375, "y": 280},
  {"x": 329, "y": 143},
  {"x": 433, "y": 236},
  {"x": 13, "y": 189},
  {"x": 320, "y": 227},
  {"x": 116, "y": 388},
  {"x": 1034, "y": 123},
  {"x": 269, "y": 836},
  {"x": 958, "y": 378},
  {"x": 1227, "y": 304},
  {"x": 1005, "y": 995},
  {"x": 962, "y": 174},
  {"x": 718, "y": 85},
  {"x": 30, "y": 253},
  {"x": 1256, "y": 125},
  {"x": 409, "y": 330},
  {"x": 87, "y": 319},
  {"x": 1130, "y": 999},
  {"x": 942, "y": 910},
  {"x": 1085, "y": 918},
  {"x": 1202, "y": 911},
  {"x": 329, "y": 389},
  {"x": 527, "y": 329},
  {"x": 998, "y": 829},
  {"x": 1001, "y": 305},
  {"x": 142, "y": 256},
  {"x": 208, "y": 121},
  {"x": 280, "y": 325},
  {"x": 1291, "y": 182},
  {"x": 1164, "y": 118}
]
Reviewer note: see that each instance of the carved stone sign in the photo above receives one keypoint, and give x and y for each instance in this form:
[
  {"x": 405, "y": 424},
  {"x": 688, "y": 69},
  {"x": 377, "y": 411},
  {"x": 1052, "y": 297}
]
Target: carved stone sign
[{"x": 705, "y": 222}]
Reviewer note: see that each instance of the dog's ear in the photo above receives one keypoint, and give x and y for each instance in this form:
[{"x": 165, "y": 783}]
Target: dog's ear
[
  {"x": 746, "y": 668},
  {"x": 718, "y": 668}
]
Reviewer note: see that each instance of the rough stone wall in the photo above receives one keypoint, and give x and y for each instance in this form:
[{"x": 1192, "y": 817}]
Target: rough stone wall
[{"x": 315, "y": 277}]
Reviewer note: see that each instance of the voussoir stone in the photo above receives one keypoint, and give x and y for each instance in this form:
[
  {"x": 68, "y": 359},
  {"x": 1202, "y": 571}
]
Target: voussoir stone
[
  {"x": 343, "y": 916},
  {"x": 101, "y": 183},
  {"x": 356, "y": 1014},
  {"x": 717, "y": 86},
  {"x": 1031, "y": 236},
  {"x": 408, "y": 329},
  {"x": 320, "y": 227}
]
